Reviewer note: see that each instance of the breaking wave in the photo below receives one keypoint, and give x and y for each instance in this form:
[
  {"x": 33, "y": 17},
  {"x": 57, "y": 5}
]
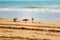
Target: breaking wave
[{"x": 30, "y": 9}]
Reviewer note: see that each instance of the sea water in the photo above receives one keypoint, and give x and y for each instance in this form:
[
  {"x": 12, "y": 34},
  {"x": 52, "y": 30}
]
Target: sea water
[{"x": 30, "y": 9}]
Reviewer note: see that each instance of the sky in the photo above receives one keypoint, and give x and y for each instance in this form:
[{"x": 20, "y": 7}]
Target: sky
[{"x": 29, "y": 0}]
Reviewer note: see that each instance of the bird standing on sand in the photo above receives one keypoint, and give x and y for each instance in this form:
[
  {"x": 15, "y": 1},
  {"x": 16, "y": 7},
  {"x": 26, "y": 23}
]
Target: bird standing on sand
[
  {"x": 32, "y": 20},
  {"x": 15, "y": 19}
]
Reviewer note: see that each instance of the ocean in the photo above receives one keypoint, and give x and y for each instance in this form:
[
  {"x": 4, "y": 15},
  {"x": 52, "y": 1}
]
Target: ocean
[{"x": 47, "y": 10}]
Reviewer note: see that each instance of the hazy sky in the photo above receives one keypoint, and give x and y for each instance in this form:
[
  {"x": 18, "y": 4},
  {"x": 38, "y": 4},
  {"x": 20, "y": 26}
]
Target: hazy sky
[{"x": 29, "y": 0}]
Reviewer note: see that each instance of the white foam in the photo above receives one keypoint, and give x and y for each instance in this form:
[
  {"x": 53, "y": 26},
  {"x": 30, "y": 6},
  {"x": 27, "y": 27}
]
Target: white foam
[{"x": 30, "y": 10}]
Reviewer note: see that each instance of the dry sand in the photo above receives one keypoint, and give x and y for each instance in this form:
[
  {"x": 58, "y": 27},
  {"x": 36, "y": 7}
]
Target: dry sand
[{"x": 38, "y": 30}]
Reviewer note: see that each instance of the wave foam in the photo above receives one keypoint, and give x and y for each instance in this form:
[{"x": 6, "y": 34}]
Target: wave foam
[{"x": 30, "y": 10}]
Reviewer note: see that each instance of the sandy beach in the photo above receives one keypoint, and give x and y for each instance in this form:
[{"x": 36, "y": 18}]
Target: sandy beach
[
  {"x": 21, "y": 30},
  {"x": 29, "y": 19}
]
